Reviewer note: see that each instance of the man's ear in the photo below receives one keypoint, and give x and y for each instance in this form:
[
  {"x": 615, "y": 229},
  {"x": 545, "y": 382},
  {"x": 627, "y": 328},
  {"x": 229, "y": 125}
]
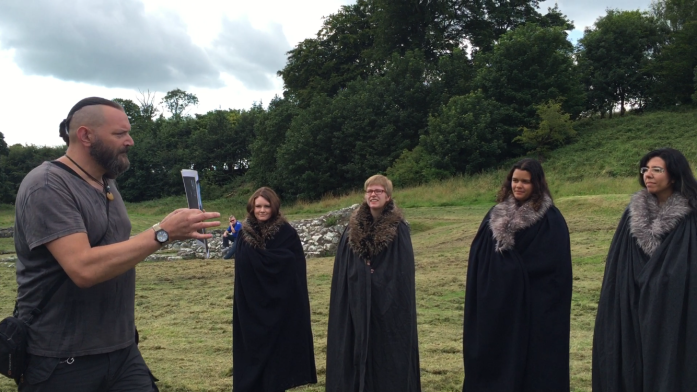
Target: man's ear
[{"x": 84, "y": 136}]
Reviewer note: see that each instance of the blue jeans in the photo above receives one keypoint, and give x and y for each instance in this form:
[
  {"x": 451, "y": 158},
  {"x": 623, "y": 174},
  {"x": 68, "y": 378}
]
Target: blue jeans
[{"x": 231, "y": 250}]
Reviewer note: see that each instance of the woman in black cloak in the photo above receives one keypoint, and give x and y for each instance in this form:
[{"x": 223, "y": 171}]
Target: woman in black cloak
[
  {"x": 372, "y": 341},
  {"x": 646, "y": 330},
  {"x": 518, "y": 294},
  {"x": 272, "y": 347}
]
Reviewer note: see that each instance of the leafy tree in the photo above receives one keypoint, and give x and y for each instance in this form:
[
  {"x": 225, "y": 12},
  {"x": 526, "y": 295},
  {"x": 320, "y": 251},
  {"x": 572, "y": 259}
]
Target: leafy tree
[
  {"x": 614, "y": 58},
  {"x": 5, "y": 185},
  {"x": 484, "y": 22},
  {"x": 359, "y": 40},
  {"x": 468, "y": 135},
  {"x": 216, "y": 144},
  {"x": 131, "y": 108},
  {"x": 675, "y": 13},
  {"x": 555, "y": 130},
  {"x": 528, "y": 66},
  {"x": 19, "y": 161},
  {"x": 306, "y": 165},
  {"x": 673, "y": 66},
  {"x": 337, "y": 56},
  {"x": 555, "y": 18},
  {"x": 269, "y": 134},
  {"x": 161, "y": 150},
  {"x": 146, "y": 179},
  {"x": 6, "y": 188},
  {"x": 334, "y": 144},
  {"x": 216, "y": 149},
  {"x": 174, "y": 137},
  {"x": 146, "y": 101},
  {"x": 413, "y": 25},
  {"x": 3, "y": 145},
  {"x": 177, "y": 101},
  {"x": 453, "y": 76}
]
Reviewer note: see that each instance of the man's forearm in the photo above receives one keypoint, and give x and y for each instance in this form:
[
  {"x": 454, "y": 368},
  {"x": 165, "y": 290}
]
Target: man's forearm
[{"x": 87, "y": 266}]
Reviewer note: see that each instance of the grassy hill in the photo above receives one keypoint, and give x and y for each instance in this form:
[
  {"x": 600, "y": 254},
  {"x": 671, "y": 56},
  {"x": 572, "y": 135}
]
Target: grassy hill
[{"x": 183, "y": 309}]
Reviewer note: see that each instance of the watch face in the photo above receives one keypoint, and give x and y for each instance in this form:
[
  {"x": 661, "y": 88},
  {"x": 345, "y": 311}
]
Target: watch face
[{"x": 162, "y": 236}]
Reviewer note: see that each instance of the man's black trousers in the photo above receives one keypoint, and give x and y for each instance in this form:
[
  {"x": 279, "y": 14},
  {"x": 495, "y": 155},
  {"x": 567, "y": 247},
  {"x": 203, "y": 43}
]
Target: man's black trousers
[{"x": 118, "y": 371}]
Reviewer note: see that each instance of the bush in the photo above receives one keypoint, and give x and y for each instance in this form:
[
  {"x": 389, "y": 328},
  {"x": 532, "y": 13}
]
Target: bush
[
  {"x": 468, "y": 135},
  {"x": 554, "y": 131},
  {"x": 414, "y": 168}
]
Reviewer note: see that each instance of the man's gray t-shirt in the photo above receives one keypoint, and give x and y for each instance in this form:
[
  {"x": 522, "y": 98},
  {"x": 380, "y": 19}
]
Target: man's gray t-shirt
[{"x": 54, "y": 202}]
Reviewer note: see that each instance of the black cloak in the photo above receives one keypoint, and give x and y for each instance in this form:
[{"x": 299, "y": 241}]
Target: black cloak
[
  {"x": 646, "y": 330},
  {"x": 372, "y": 343},
  {"x": 272, "y": 346},
  {"x": 518, "y": 301}
]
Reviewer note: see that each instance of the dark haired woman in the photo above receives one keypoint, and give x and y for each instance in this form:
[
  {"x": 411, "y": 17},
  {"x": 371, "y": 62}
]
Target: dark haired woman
[
  {"x": 646, "y": 329},
  {"x": 518, "y": 294},
  {"x": 272, "y": 347}
]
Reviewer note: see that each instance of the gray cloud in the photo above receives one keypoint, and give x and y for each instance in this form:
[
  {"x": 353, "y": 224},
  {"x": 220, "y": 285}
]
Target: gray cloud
[
  {"x": 117, "y": 44},
  {"x": 254, "y": 55}
]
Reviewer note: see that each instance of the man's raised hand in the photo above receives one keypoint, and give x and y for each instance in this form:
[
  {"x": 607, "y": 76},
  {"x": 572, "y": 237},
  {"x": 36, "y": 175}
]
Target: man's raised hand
[{"x": 185, "y": 223}]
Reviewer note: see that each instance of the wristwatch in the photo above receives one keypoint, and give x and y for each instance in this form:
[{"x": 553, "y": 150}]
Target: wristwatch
[{"x": 161, "y": 236}]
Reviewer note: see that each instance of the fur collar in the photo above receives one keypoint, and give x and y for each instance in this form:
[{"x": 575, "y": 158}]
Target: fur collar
[
  {"x": 367, "y": 237},
  {"x": 507, "y": 218},
  {"x": 257, "y": 233},
  {"x": 649, "y": 222}
]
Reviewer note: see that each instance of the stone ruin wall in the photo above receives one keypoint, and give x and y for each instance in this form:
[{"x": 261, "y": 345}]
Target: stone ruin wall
[{"x": 319, "y": 236}]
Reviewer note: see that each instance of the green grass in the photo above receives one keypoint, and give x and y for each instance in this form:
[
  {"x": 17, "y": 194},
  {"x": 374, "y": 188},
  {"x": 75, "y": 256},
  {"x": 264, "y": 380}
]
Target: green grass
[
  {"x": 612, "y": 148},
  {"x": 7, "y": 215},
  {"x": 7, "y": 245}
]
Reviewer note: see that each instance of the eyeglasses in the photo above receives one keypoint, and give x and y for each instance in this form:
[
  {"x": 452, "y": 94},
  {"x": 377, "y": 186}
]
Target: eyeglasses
[
  {"x": 377, "y": 192},
  {"x": 654, "y": 170}
]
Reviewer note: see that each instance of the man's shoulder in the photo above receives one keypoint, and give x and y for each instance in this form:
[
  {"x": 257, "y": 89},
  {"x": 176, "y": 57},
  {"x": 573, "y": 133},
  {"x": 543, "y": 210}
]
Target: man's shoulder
[
  {"x": 46, "y": 171},
  {"x": 48, "y": 186},
  {"x": 38, "y": 172},
  {"x": 37, "y": 177}
]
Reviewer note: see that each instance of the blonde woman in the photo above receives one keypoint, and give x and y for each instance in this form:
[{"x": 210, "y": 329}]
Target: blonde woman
[{"x": 372, "y": 341}]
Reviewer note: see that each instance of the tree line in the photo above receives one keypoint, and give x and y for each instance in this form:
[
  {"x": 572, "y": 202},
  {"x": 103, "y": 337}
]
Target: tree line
[{"x": 416, "y": 89}]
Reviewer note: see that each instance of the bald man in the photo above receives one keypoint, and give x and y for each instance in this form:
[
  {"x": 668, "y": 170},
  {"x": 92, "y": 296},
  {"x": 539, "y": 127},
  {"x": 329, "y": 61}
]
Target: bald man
[{"x": 72, "y": 233}]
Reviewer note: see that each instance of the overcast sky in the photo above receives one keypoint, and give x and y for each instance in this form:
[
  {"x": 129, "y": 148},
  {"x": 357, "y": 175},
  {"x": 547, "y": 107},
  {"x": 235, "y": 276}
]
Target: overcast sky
[{"x": 52, "y": 54}]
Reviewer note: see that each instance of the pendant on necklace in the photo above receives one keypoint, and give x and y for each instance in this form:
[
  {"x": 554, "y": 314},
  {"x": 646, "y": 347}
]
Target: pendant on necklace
[{"x": 110, "y": 196}]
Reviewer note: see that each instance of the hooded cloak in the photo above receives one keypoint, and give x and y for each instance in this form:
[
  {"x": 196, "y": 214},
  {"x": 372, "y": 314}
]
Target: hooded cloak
[
  {"x": 272, "y": 346},
  {"x": 518, "y": 301},
  {"x": 646, "y": 330},
  {"x": 372, "y": 343}
]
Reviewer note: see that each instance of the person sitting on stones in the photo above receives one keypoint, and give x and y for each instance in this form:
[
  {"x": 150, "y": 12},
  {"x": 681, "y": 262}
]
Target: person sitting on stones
[
  {"x": 230, "y": 238},
  {"x": 372, "y": 342}
]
